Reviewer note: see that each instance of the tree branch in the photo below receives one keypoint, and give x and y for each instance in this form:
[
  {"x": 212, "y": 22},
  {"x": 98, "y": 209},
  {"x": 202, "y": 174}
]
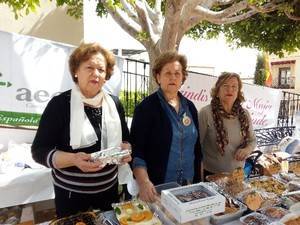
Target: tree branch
[
  {"x": 145, "y": 20},
  {"x": 157, "y": 6},
  {"x": 129, "y": 10},
  {"x": 171, "y": 26},
  {"x": 224, "y": 2},
  {"x": 130, "y": 26},
  {"x": 231, "y": 14},
  {"x": 291, "y": 16},
  {"x": 268, "y": 7},
  {"x": 234, "y": 18}
]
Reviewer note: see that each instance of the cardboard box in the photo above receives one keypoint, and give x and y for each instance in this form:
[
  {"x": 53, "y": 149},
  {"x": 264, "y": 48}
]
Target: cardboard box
[{"x": 192, "y": 202}]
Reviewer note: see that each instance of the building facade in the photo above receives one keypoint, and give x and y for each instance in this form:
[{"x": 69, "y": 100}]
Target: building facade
[
  {"x": 48, "y": 22},
  {"x": 286, "y": 72}
]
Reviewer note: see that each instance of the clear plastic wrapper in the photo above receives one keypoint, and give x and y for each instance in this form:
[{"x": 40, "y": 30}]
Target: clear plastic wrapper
[
  {"x": 233, "y": 210},
  {"x": 135, "y": 212},
  {"x": 274, "y": 213},
  {"x": 256, "y": 199},
  {"x": 292, "y": 218},
  {"x": 110, "y": 155},
  {"x": 268, "y": 184},
  {"x": 231, "y": 188},
  {"x": 86, "y": 218},
  {"x": 286, "y": 177}
]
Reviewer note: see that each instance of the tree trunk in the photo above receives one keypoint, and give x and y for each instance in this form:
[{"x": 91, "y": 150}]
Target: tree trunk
[{"x": 153, "y": 53}]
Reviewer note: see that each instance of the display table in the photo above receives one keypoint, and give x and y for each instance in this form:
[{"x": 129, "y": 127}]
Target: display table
[{"x": 25, "y": 186}]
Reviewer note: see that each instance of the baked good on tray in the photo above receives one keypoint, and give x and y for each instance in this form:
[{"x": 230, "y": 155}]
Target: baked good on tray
[
  {"x": 135, "y": 212},
  {"x": 86, "y": 218}
]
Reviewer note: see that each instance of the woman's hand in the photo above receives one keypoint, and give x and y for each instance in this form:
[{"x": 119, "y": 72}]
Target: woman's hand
[
  {"x": 125, "y": 146},
  {"x": 241, "y": 154},
  {"x": 147, "y": 191},
  {"x": 83, "y": 162}
]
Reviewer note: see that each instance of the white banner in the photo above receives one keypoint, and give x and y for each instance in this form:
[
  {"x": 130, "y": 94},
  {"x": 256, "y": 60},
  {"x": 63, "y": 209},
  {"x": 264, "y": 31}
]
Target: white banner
[
  {"x": 32, "y": 72},
  {"x": 263, "y": 103}
]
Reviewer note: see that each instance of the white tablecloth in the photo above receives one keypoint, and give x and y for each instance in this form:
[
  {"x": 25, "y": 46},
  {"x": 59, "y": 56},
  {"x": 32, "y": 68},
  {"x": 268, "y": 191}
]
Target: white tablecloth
[{"x": 26, "y": 186}]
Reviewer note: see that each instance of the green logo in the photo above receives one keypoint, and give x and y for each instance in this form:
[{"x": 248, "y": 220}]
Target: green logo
[
  {"x": 5, "y": 84},
  {"x": 19, "y": 119}
]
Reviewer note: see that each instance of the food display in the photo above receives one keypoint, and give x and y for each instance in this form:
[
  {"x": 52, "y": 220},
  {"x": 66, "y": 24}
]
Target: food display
[
  {"x": 258, "y": 199},
  {"x": 227, "y": 198},
  {"x": 268, "y": 184},
  {"x": 110, "y": 155},
  {"x": 87, "y": 218},
  {"x": 253, "y": 200},
  {"x": 255, "y": 219},
  {"x": 295, "y": 221},
  {"x": 274, "y": 213},
  {"x": 231, "y": 183},
  {"x": 192, "y": 202},
  {"x": 292, "y": 218},
  {"x": 294, "y": 165},
  {"x": 287, "y": 177},
  {"x": 216, "y": 177},
  {"x": 192, "y": 195},
  {"x": 233, "y": 210},
  {"x": 135, "y": 212},
  {"x": 270, "y": 164}
]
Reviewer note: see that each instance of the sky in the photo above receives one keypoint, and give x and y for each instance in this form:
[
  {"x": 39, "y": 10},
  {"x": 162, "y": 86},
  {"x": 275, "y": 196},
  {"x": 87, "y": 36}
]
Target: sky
[{"x": 208, "y": 56}]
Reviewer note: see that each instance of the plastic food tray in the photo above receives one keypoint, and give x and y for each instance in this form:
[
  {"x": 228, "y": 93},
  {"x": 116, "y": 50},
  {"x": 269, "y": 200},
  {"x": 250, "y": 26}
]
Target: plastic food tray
[
  {"x": 215, "y": 219},
  {"x": 274, "y": 213},
  {"x": 230, "y": 216},
  {"x": 255, "y": 218},
  {"x": 265, "y": 178}
]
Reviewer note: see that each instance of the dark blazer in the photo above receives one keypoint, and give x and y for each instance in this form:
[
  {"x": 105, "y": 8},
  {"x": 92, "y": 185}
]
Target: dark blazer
[{"x": 151, "y": 136}]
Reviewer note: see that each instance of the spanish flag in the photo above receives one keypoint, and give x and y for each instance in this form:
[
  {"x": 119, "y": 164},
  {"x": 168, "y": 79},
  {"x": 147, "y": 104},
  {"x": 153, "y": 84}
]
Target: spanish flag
[{"x": 268, "y": 81}]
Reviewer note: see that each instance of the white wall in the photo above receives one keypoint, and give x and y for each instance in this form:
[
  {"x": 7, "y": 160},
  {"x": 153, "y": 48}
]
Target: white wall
[{"x": 48, "y": 22}]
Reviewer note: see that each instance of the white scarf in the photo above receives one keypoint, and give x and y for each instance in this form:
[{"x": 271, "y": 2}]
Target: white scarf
[{"x": 82, "y": 133}]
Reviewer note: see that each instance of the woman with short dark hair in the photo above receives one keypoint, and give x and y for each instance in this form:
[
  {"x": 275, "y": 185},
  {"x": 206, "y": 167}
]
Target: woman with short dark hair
[{"x": 164, "y": 131}]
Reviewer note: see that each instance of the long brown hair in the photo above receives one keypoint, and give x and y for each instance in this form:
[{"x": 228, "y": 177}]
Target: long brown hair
[{"x": 237, "y": 111}]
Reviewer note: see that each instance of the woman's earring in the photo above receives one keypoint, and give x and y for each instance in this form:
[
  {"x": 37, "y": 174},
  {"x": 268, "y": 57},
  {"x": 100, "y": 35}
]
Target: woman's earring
[{"x": 76, "y": 75}]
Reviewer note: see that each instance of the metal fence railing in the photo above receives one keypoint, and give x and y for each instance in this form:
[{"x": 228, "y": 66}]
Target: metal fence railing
[
  {"x": 135, "y": 85},
  {"x": 289, "y": 105}
]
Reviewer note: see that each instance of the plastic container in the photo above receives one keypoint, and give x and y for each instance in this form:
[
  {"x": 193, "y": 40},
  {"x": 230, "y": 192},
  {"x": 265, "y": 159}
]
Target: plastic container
[
  {"x": 166, "y": 186},
  {"x": 255, "y": 218},
  {"x": 290, "y": 217},
  {"x": 221, "y": 219},
  {"x": 274, "y": 213}
]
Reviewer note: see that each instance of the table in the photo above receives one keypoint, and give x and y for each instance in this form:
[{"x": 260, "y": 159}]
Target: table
[{"x": 25, "y": 186}]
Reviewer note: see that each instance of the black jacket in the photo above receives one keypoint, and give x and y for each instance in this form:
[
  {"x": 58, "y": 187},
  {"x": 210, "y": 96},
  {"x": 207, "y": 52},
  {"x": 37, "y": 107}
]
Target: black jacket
[
  {"x": 151, "y": 136},
  {"x": 54, "y": 128}
]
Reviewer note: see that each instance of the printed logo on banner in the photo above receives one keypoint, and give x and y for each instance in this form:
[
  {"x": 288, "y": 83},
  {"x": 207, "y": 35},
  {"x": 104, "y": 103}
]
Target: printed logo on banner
[
  {"x": 16, "y": 119},
  {"x": 259, "y": 109}
]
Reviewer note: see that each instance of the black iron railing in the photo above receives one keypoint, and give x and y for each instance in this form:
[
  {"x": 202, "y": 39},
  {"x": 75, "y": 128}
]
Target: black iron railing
[
  {"x": 289, "y": 105},
  {"x": 135, "y": 85}
]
